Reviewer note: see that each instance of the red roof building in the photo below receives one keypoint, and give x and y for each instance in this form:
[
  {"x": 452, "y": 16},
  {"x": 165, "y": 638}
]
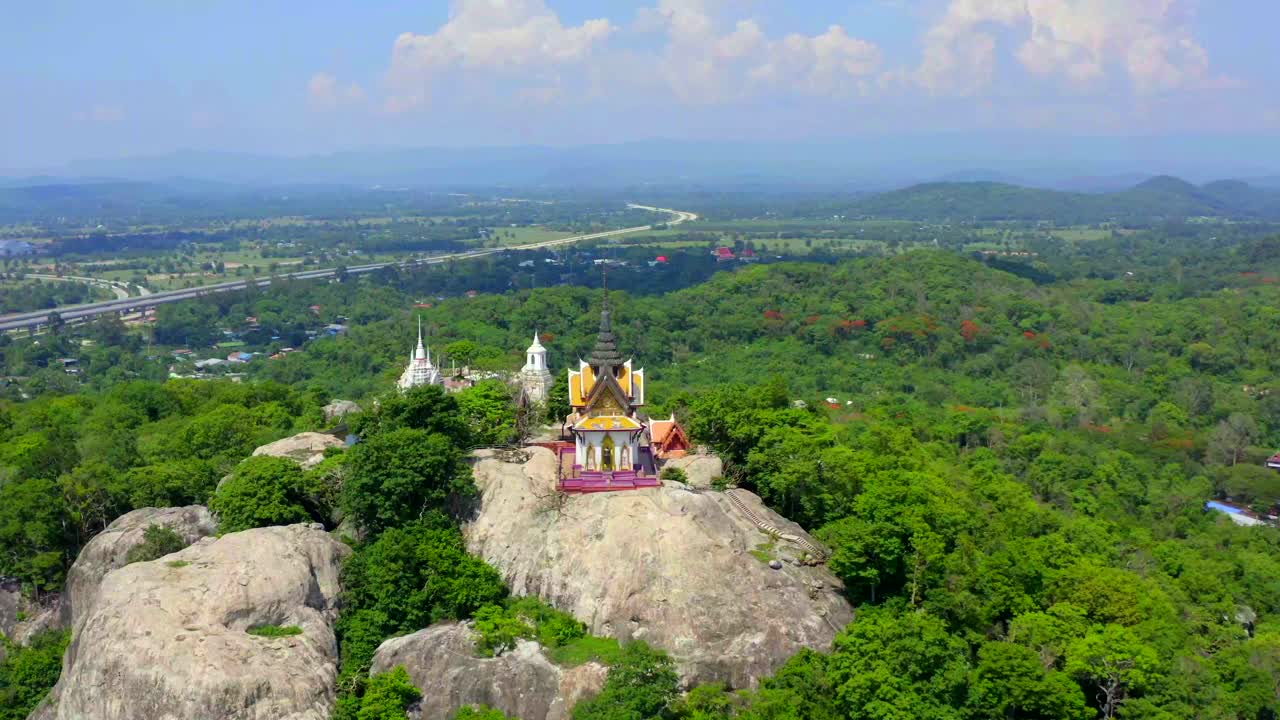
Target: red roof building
[
  {"x": 724, "y": 253},
  {"x": 1273, "y": 462},
  {"x": 661, "y": 259},
  {"x": 668, "y": 439}
]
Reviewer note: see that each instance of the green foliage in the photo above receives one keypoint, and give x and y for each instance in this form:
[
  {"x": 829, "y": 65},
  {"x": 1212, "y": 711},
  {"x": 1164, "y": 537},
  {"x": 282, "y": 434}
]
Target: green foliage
[
  {"x": 388, "y": 695},
  {"x": 33, "y": 533},
  {"x": 479, "y": 712},
  {"x": 29, "y": 672},
  {"x": 497, "y": 631},
  {"x": 489, "y": 411},
  {"x": 674, "y": 474},
  {"x": 497, "y": 628},
  {"x": 157, "y": 541},
  {"x": 1011, "y": 681},
  {"x": 225, "y": 432},
  {"x": 400, "y": 475},
  {"x": 172, "y": 483},
  {"x": 405, "y": 580},
  {"x": 641, "y": 684},
  {"x": 1116, "y": 662},
  {"x": 588, "y": 648},
  {"x": 1016, "y": 464},
  {"x": 274, "y": 631},
  {"x": 906, "y": 662},
  {"x": 427, "y": 408},
  {"x": 262, "y": 491}
]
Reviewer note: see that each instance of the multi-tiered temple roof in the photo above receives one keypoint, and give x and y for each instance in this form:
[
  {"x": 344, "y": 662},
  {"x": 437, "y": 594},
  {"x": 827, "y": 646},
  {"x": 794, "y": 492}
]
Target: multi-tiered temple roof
[{"x": 420, "y": 370}]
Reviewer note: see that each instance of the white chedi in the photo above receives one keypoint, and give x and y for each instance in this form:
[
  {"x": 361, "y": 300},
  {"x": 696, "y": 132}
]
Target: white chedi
[
  {"x": 420, "y": 370},
  {"x": 535, "y": 377}
]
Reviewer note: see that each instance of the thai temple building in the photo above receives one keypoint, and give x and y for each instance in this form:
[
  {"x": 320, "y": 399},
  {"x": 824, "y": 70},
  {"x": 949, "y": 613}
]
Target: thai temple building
[
  {"x": 420, "y": 370},
  {"x": 535, "y": 377},
  {"x": 612, "y": 448},
  {"x": 668, "y": 438}
]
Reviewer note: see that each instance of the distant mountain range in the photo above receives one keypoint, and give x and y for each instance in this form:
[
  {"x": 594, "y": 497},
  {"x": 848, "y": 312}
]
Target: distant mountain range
[
  {"x": 864, "y": 164},
  {"x": 1161, "y": 197},
  {"x": 188, "y": 200}
]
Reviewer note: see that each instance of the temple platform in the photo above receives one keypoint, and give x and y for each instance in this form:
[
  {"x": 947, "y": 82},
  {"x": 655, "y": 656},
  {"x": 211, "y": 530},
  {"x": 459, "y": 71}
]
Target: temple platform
[
  {"x": 593, "y": 482},
  {"x": 574, "y": 479}
]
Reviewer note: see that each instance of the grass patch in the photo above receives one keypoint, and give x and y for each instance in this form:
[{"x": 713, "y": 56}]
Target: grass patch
[
  {"x": 177, "y": 563},
  {"x": 274, "y": 631},
  {"x": 763, "y": 552},
  {"x": 586, "y": 649}
]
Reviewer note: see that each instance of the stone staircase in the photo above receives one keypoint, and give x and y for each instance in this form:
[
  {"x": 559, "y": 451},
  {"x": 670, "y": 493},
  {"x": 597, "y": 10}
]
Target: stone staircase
[{"x": 742, "y": 507}]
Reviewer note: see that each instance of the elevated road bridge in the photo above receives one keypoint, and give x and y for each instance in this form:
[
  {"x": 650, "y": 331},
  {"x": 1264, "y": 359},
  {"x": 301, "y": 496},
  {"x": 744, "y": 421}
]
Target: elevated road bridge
[{"x": 79, "y": 313}]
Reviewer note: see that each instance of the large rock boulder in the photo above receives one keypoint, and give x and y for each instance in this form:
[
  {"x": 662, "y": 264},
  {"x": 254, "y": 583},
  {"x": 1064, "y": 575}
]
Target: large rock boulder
[
  {"x": 701, "y": 468},
  {"x": 306, "y": 449},
  {"x": 339, "y": 409},
  {"x": 522, "y": 683},
  {"x": 109, "y": 548},
  {"x": 686, "y": 571},
  {"x": 168, "y": 640}
]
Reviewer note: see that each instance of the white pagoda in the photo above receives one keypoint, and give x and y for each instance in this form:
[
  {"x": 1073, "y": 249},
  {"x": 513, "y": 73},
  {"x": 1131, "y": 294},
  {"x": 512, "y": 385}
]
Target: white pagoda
[
  {"x": 535, "y": 377},
  {"x": 420, "y": 370}
]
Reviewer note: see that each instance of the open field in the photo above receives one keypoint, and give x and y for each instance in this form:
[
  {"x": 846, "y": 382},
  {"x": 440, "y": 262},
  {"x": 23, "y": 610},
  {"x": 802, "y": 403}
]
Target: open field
[{"x": 506, "y": 236}]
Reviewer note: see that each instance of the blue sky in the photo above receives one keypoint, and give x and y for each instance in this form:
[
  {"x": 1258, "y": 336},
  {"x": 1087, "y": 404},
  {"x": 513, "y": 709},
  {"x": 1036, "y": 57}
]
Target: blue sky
[{"x": 89, "y": 79}]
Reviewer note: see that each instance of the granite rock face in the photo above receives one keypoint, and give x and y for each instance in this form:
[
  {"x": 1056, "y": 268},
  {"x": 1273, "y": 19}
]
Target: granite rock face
[
  {"x": 522, "y": 683},
  {"x": 306, "y": 449},
  {"x": 339, "y": 409},
  {"x": 667, "y": 565},
  {"x": 21, "y": 619},
  {"x": 701, "y": 469},
  {"x": 108, "y": 549},
  {"x": 168, "y": 640}
]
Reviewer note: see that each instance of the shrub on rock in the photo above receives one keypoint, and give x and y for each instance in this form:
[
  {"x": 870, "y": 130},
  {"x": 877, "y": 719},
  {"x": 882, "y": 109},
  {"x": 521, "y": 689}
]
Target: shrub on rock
[
  {"x": 157, "y": 541},
  {"x": 263, "y": 491}
]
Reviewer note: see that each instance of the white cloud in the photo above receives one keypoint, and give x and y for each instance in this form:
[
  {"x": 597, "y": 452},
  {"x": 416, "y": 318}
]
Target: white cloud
[
  {"x": 325, "y": 92},
  {"x": 706, "y": 62},
  {"x": 512, "y": 38},
  {"x": 1147, "y": 42}
]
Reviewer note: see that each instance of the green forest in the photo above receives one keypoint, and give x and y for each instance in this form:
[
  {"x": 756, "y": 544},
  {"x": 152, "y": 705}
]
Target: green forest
[{"x": 1009, "y": 464}]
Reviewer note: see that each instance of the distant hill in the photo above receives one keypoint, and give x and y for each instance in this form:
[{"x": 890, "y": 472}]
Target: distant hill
[{"x": 1163, "y": 197}]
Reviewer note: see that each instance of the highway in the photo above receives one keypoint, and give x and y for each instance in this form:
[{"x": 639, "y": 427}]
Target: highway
[{"x": 72, "y": 313}]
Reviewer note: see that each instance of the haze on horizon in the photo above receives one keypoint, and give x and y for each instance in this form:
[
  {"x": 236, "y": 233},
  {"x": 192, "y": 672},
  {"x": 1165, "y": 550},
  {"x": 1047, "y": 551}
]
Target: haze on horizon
[{"x": 139, "y": 78}]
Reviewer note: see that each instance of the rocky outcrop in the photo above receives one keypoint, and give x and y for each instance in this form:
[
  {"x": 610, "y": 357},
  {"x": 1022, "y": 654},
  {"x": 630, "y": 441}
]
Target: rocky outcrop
[
  {"x": 168, "y": 640},
  {"x": 306, "y": 449},
  {"x": 108, "y": 549},
  {"x": 683, "y": 570},
  {"x": 701, "y": 469},
  {"x": 21, "y": 619},
  {"x": 522, "y": 683},
  {"x": 339, "y": 409}
]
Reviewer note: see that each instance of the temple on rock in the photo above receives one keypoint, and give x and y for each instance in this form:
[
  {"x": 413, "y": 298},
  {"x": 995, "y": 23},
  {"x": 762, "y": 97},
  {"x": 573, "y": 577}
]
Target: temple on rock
[
  {"x": 612, "y": 447},
  {"x": 419, "y": 371}
]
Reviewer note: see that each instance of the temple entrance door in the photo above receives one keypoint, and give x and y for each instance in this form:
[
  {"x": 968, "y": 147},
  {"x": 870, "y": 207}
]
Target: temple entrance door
[{"x": 606, "y": 460}]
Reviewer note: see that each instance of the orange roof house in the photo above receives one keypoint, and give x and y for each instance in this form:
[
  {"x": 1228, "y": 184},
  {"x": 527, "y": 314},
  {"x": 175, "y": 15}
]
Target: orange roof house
[{"x": 668, "y": 439}]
